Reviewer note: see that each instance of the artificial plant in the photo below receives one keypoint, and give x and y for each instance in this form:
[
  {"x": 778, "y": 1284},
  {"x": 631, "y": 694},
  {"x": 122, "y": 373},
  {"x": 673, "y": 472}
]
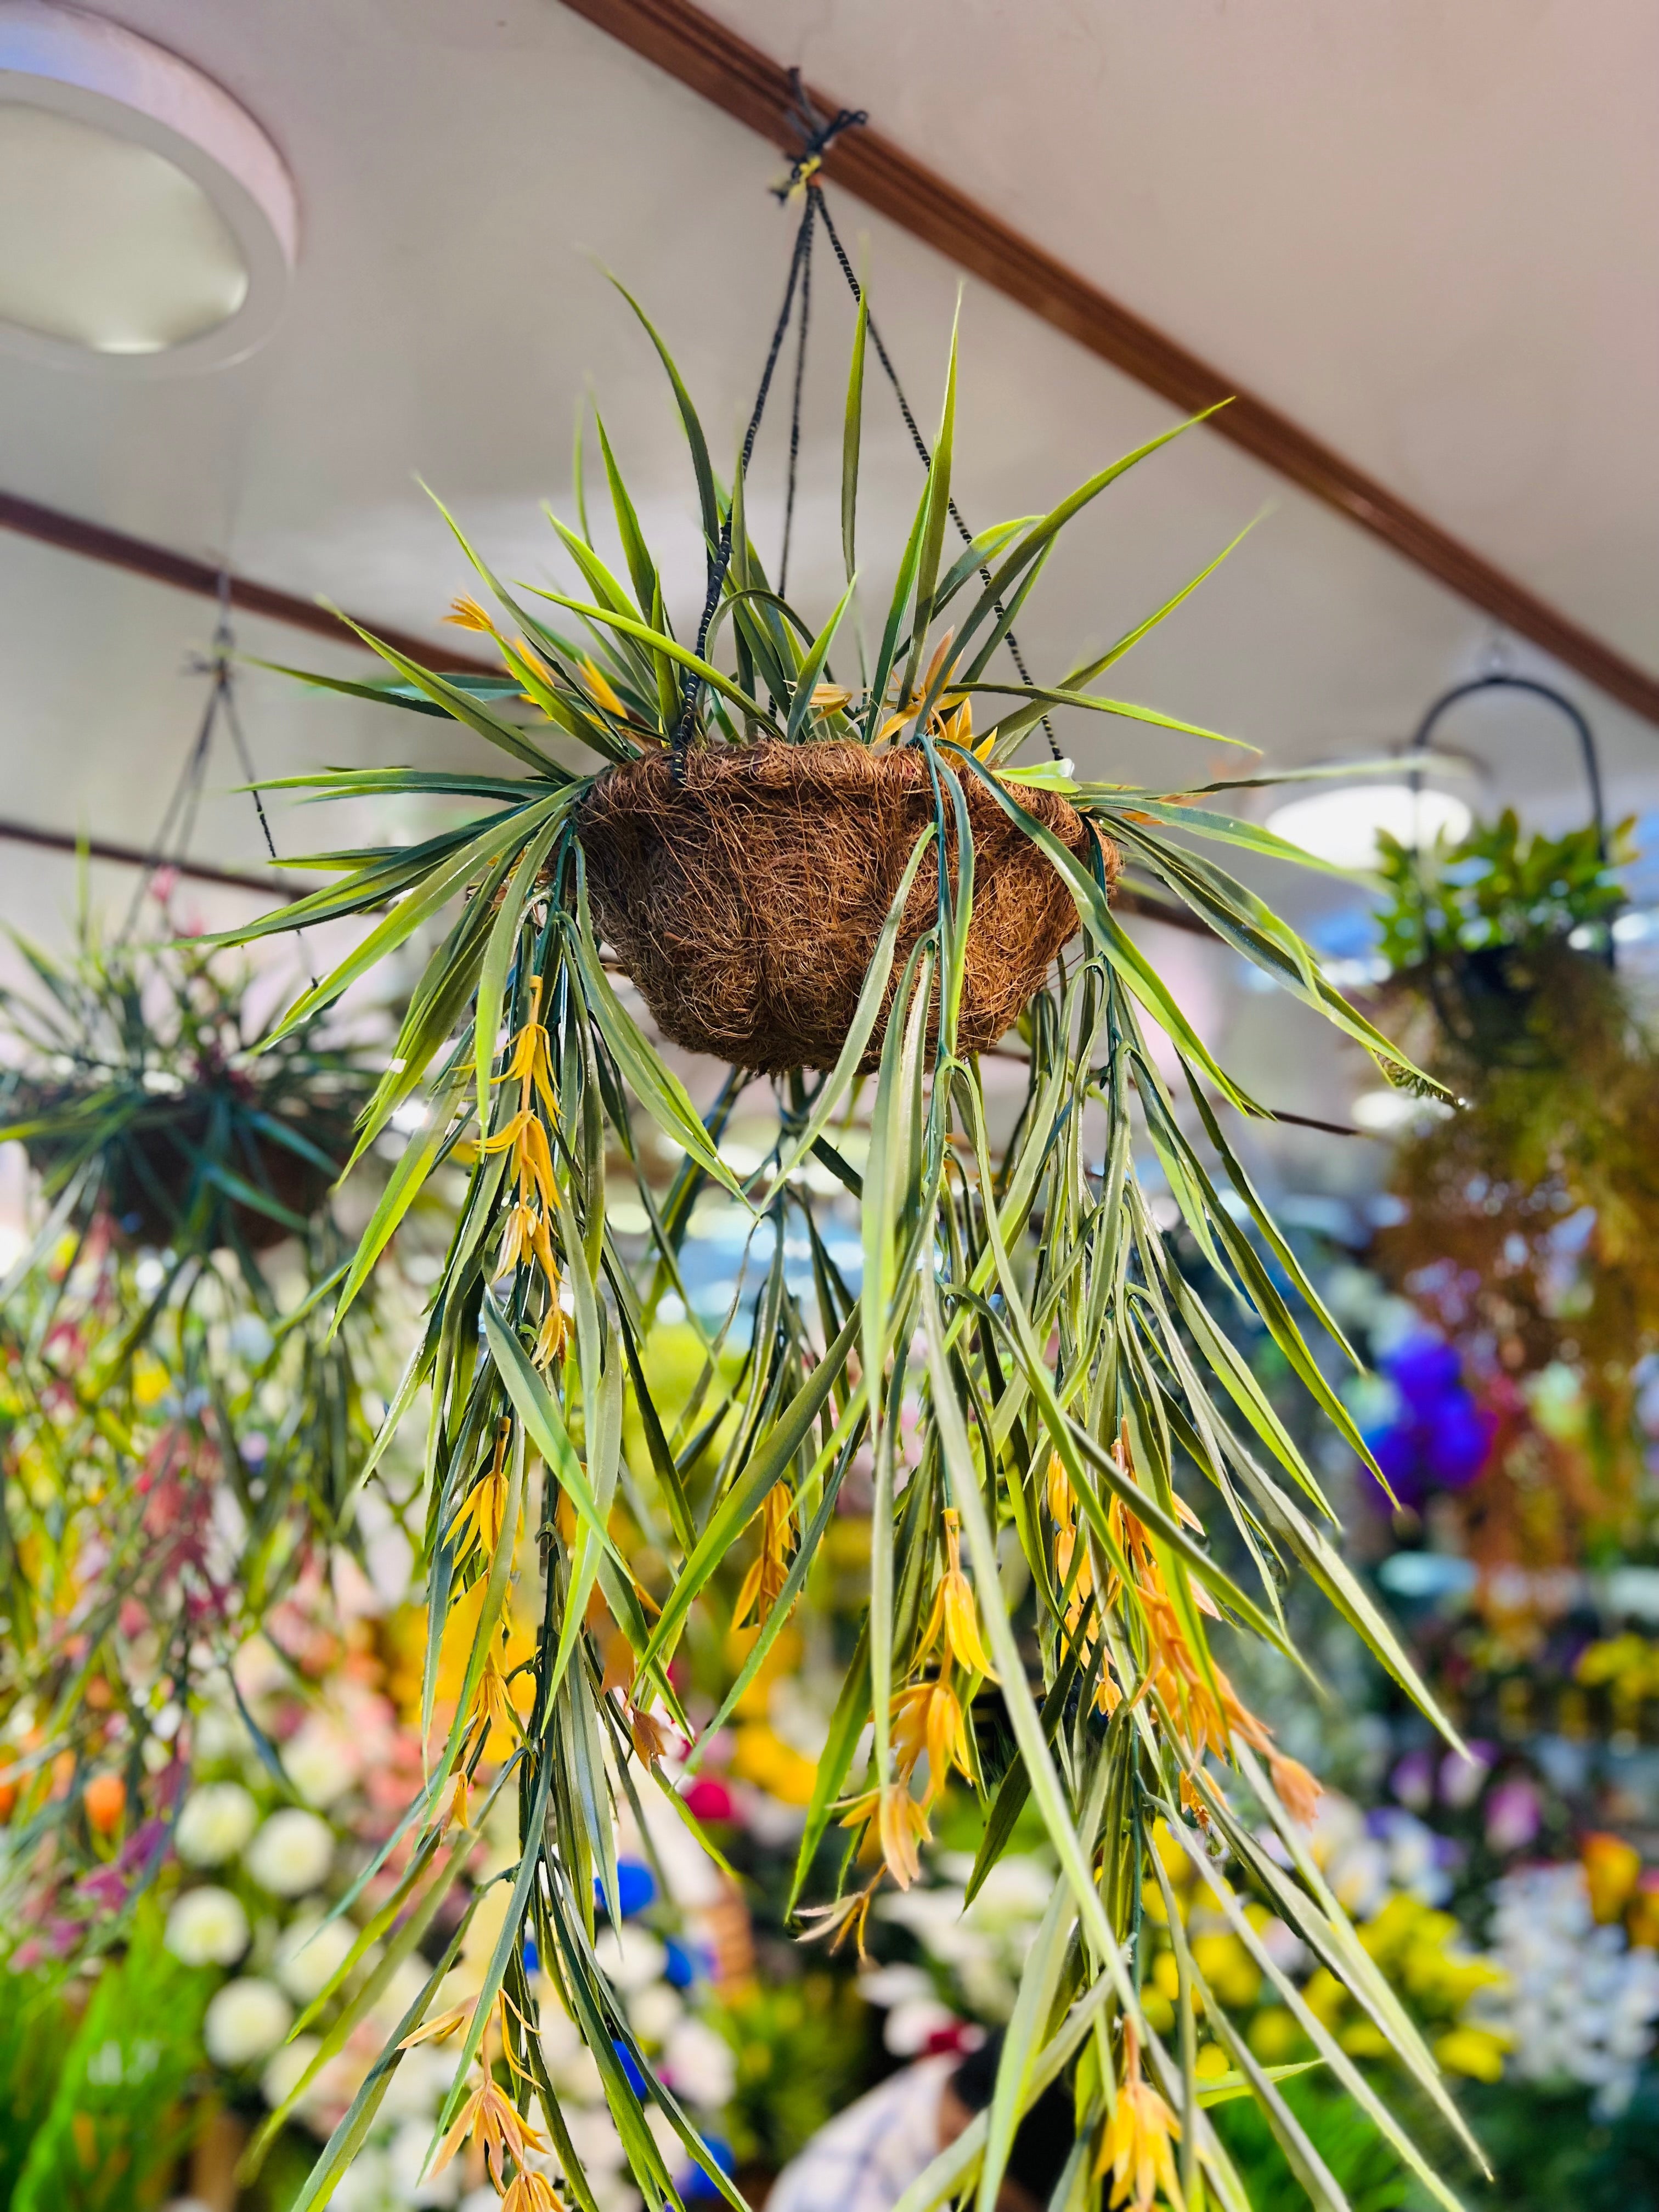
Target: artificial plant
[
  {"x": 1076, "y": 1398},
  {"x": 181, "y": 1430},
  {"x": 1531, "y": 1216}
]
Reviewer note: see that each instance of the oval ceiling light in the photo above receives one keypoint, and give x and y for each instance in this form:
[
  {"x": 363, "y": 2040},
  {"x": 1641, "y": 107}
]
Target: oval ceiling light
[
  {"x": 147, "y": 223},
  {"x": 1340, "y": 823}
]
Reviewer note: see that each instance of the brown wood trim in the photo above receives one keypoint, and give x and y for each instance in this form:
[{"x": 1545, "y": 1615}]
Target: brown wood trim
[
  {"x": 91, "y": 541},
  {"x": 749, "y": 85},
  {"x": 133, "y": 856}
]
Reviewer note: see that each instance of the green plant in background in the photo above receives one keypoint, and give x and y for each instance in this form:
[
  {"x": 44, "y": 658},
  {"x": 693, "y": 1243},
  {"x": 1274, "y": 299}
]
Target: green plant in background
[
  {"x": 1494, "y": 889},
  {"x": 148, "y": 1101},
  {"x": 179, "y": 1427},
  {"x": 1531, "y": 1215},
  {"x": 36, "y": 2029},
  {"x": 117, "y": 2122},
  {"x": 799, "y": 2049},
  {"x": 1075, "y": 1398}
]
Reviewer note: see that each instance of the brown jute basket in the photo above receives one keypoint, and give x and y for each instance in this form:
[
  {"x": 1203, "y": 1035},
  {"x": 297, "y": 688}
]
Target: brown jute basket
[{"x": 745, "y": 904}]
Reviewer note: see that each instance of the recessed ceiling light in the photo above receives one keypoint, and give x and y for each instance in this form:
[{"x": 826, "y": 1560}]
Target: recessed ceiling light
[
  {"x": 1340, "y": 824},
  {"x": 146, "y": 221}
]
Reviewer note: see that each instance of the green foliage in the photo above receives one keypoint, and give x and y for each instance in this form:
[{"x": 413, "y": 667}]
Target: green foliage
[
  {"x": 36, "y": 2029},
  {"x": 1075, "y": 1407},
  {"x": 115, "y": 2127},
  {"x": 144, "y": 1093},
  {"x": 1494, "y": 888},
  {"x": 800, "y": 2048}
]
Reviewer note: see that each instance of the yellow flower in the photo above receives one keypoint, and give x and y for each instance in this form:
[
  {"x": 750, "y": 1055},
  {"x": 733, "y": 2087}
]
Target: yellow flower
[
  {"x": 901, "y": 1827},
  {"x": 467, "y": 614},
  {"x": 848, "y": 1916},
  {"x": 602, "y": 690},
  {"x": 530, "y": 2192},
  {"x": 1476, "y": 2051},
  {"x": 1135, "y": 2147},
  {"x": 953, "y": 1613},
  {"x": 927, "y": 1716},
  {"x": 483, "y": 1510},
  {"x": 763, "y": 1585},
  {"x": 491, "y": 2120}
]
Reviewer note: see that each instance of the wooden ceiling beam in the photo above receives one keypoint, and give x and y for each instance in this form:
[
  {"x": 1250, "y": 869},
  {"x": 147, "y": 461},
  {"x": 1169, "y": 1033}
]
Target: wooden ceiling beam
[
  {"x": 748, "y": 84},
  {"x": 160, "y": 564}
]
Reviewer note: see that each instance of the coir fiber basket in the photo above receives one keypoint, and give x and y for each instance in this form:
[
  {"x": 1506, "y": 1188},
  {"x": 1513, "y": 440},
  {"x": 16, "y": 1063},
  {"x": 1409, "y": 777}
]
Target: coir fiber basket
[{"x": 745, "y": 903}]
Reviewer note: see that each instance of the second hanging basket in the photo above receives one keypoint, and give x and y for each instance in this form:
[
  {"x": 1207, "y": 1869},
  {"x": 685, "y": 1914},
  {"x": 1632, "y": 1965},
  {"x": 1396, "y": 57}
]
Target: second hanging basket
[{"x": 745, "y": 903}]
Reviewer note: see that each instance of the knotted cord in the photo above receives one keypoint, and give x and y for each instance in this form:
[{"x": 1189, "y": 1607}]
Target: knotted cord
[{"x": 804, "y": 182}]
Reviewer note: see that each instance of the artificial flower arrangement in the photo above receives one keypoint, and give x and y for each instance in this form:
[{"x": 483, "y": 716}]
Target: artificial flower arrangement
[
  {"x": 827, "y": 873},
  {"x": 1527, "y": 1233}
]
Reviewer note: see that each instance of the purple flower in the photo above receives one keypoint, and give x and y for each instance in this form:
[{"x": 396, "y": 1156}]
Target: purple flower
[
  {"x": 1513, "y": 1815},
  {"x": 1412, "y": 1780}
]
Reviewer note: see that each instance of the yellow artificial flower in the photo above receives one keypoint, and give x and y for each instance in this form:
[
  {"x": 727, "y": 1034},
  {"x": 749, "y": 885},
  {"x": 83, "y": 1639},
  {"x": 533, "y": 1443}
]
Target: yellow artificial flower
[
  {"x": 953, "y": 1613},
  {"x": 1135, "y": 2145},
  {"x": 763, "y": 1585},
  {"x": 492, "y": 2121},
  {"x": 483, "y": 1510},
  {"x": 601, "y": 690},
  {"x": 927, "y": 1716}
]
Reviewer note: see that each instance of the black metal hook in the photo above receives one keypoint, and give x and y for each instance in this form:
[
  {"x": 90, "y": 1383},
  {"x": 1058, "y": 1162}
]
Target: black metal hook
[{"x": 1499, "y": 680}]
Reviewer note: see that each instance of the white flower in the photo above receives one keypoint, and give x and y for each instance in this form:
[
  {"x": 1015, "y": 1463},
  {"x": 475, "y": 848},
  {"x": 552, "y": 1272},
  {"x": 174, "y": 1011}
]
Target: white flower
[
  {"x": 215, "y": 1824},
  {"x": 366, "y": 2184},
  {"x": 630, "y": 1957},
  {"x": 405, "y": 2158},
  {"x": 699, "y": 2063},
  {"x": 572, "y": 2065},
  {"x": 311, "y": 1951},
  {"x": 245, "y": 2022},
  {"x": 281, "y": 2077},
  {"x": 912, "y": 2025},
  {"x": 319, "y": 1763},
  {"x": 1579, "y": 2004},
  {"x": 292, "y": 1853},
  {"x": 416, "y": 2088},
  {"x": 653, "y": 2012},
  {"x": 594, "y": 2139},
  {"x": 207, "y": 1928}
]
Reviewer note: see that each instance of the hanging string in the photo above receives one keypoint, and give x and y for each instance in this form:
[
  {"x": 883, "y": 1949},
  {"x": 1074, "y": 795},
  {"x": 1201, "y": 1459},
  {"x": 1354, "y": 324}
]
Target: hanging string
[
  {"x": 172, "y": 839},
  {"x": 803, "y": 182},
  {"x": 691, "y": 687},
  {"x": 794, "y": 416},
  {"x": 816, "y": 196}
]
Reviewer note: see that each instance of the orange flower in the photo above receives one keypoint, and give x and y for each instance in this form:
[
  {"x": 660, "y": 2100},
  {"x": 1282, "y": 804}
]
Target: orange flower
[
  {"x": 1612, "y": 1868},
  {"x": 530, "y": 2192},
  {"x": 491, "y": 2120},
  {"x": 104, "y": 1798},
  {"x": 1135, "y": 2143},
  {"x": 1297, "y": 1790},
  {"x": 763, "y": 1585}
]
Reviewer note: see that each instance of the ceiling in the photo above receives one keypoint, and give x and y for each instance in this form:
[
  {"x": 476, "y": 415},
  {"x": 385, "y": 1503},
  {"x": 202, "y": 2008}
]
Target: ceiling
[{"x": 1426, "y": 231}]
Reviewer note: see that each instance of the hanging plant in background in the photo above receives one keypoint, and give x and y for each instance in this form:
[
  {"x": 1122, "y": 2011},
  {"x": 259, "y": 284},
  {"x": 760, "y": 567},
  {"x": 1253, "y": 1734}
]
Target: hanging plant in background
[
  {"x": 180, "y": 1430},
  {"x": 817, "y": 854},
  {"x": 1531, "y": 1224}
]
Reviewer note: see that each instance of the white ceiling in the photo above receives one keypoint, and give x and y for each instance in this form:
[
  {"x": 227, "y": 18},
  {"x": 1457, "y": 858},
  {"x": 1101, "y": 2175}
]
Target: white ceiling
[{"x": 1426, "y": 230}]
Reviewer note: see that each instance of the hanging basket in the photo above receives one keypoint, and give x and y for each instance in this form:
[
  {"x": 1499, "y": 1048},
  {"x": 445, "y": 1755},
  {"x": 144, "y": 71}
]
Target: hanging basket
[
  {"x": 171, "y": 1170},
  {"x": 746, "y": 903}
]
